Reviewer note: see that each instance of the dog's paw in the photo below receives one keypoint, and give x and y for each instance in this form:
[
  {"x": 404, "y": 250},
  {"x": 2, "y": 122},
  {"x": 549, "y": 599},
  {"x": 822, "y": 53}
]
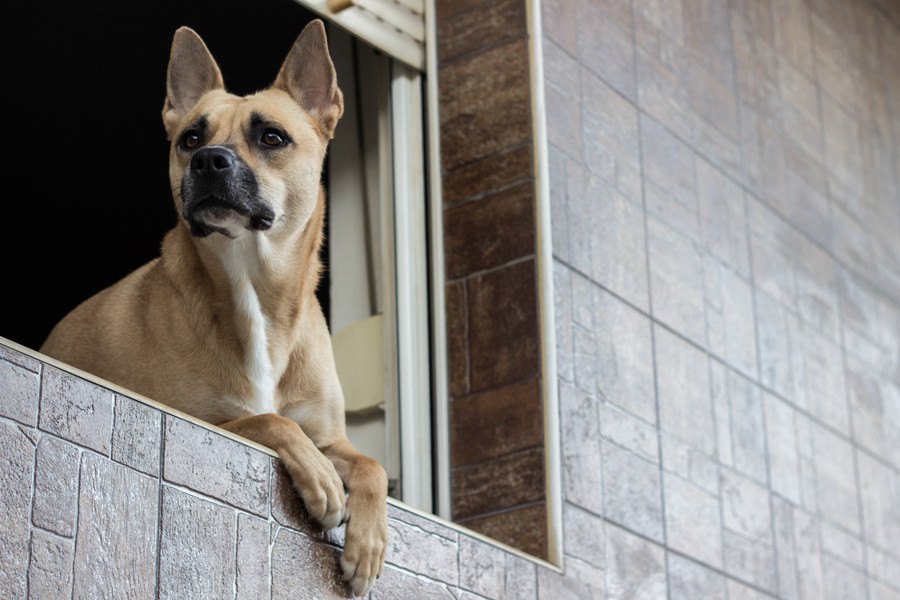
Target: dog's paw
[
  {"x": 320, "y": 488},
  {"x": 365, "y": 544}
]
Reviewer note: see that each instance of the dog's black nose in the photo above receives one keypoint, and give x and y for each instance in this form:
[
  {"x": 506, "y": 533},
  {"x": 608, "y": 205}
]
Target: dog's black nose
[{"x": 212, "y": 161}]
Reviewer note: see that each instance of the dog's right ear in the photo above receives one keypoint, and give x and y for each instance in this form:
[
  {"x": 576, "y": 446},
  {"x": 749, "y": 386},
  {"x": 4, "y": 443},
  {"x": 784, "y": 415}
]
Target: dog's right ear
[{"x": 192, "y": 72}]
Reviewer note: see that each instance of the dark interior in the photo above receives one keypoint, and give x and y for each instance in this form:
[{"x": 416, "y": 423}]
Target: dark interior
[{"x": 87, "y": 197}]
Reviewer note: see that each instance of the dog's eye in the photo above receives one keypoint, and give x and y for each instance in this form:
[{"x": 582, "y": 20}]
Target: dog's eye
[
  {"x": 272, "y": 138},
  {"x": 190, "y": 139}
]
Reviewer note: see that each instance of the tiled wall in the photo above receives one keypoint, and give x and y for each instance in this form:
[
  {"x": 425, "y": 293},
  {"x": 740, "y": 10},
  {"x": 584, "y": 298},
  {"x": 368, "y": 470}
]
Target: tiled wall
[
  {"x": 496, "y": 416},
  {"x": 102, "y": 496},
  {"x": 726, "y": 232}
]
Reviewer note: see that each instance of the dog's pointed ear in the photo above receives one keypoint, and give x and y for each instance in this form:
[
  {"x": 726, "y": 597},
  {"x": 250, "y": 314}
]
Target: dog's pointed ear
[
  {"x": 308, "y": 75},
  {"x": 192, "y": 72}
]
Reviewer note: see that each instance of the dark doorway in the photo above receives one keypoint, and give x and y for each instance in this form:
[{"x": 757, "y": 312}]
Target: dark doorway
[{"x": 87, "y": 198}]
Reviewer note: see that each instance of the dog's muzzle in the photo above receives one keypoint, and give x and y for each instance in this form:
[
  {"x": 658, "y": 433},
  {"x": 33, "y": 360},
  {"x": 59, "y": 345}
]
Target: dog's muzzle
[{"x": 220, "y": 191}]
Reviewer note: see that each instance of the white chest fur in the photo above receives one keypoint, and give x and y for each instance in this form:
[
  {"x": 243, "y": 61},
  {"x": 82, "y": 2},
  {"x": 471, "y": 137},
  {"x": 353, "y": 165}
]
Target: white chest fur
[{"x": 242, "y": 263}]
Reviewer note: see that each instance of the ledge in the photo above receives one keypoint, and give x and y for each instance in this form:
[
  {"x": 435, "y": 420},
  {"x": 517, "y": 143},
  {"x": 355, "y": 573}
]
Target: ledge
[{"x": 163, "y": 505}]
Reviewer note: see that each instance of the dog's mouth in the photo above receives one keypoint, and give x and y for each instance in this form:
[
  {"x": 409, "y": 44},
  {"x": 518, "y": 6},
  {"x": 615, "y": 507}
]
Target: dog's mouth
[{"x": 214, "y": 213}]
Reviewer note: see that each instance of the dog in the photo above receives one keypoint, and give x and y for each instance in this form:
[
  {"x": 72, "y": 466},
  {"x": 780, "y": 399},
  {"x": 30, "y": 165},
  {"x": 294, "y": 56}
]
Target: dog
[{"x": 225, "y": 325}]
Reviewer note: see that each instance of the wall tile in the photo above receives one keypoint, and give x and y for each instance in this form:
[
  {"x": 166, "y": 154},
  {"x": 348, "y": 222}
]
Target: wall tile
[
  {"x": 636, "y": 568},
  {"x": 50, "y": 568},
  {"x": 76, "y": 410},
  {"x": 212, "y": 464},
  {"x": 689, "y": 580},
  {"x": 16, "y": 472},
  {"x": 19, "y": 388},
  {"x": 692, "y": 521},
  {"x": 55, "y": 486},
  {"x": 632, "y": 492},
  {"x": 581, "y": 455},
  {"x": 117, "y": 535},
  {"x": 136, "y": 435},
  {"x": 676, "y": 282}
]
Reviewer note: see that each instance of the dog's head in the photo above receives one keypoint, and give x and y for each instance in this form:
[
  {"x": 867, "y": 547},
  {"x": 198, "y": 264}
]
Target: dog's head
[{"x": 252, "y": 163}]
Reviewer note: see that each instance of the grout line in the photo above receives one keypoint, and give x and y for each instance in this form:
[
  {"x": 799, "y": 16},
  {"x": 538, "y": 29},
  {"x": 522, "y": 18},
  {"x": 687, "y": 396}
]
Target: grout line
[{"x": 77, "y": 518}]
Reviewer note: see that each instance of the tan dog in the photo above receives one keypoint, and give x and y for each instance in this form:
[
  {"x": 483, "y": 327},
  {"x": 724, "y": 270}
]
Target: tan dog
[{"x": 225, "y": 324}]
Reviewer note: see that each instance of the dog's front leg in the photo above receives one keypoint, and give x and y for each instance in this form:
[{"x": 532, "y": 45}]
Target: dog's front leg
[
  {"x": 314, "y": 476},
  {"x": 366, "y": 539}
]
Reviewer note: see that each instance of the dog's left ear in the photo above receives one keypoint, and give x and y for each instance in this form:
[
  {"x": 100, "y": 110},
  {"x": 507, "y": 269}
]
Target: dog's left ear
[{"x": 308, "y": 76}]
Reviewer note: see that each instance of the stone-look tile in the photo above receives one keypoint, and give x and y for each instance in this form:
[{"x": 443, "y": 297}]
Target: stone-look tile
[
  {"x": 842, "y": 545},
  {"x": 635, "y": 568},
  {"x": 685, "y": 407},
  {"x": 749, "y": 561},
  {"x": 745, "y": 507},
  {"x": 883, "y": 566},
  {"x": 880, "y": 491},
  {"x": 689, "y": 464},
  {"x": 781, "y": 440},
  {"x": 632, "y": 492},
  {"x": 499, "y": 483},
  {"x": 522, "y": 528},
  {"x": 585, "y": 359},
  {"x": 605, "y": 48},
  {"x": 583, "y": 536},
  {"x": 521, "y": 578},
  {"x": 19, "y": 389},
  {"x": 252, "y": 566},
  {"x": 625, "y": 430},
  {"x": 834, "y": 491},
  {"x": 413, "y": 549},
  {"x": 729, "y": 316},
  {"x": 50, "y": 569},
  {"x": 841, "y": 581},
  {"x": 563, "y": 96},
  {"x": 722, "y": 218},
  {"x": 18, "y": 358},
  {"x": 76, "y": 410},
  {"x": 582, "y": 581},
  {"x": 773, "y": 324},
  {"x": 489, "y": 232},
  {"x": 785, "y": 548},
  {"x": 483, "y": 115},
  {"x": 873, "y": 403},
  {"x": 692, "y": 521},
  {"x": 880, "y": 591},
  {"x": 809, "y": 556},
  {"x": 510, "y": 416},
  {"x": 739, "y": 416},
  {"x": 560, "y": 21},
  {"x": 669, "y": 167},
  {"x": 16, "y": 471},
  {"x": 482, "y": 568},
  {"x": 559, "y": 205},
  {"x": 581, "y": 452},
  {"x": 55, "y": 486},
  {"x": 624, "y": 345},
  {"x": 299, "y": 563},
  {"x": 618, "y": 248},
  {"x": 401, "y": 584},
  {"x": 502, "y": 326},
  {"x": 676, "y": 282},
  {"x": 468, "y": 32},
  {"x": 117, "y": 528},
  {"x": 689, "y": 580},
  {"x": 137, "y": 432},
  {"x": 624, "y": 356},
  {"x": 662, "y": 93},
  {"x": 609, "y": 129},
  {"x": 739, "y": 591},
  {"x": 217, "y": 466},
  {"x": 197, "y": 547},
  {"x": 457, "y": 339}
]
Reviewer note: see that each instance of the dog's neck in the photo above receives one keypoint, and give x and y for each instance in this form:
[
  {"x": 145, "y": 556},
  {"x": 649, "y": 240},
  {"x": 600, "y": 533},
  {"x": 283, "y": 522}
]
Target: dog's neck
[{"x": 255, "y": 288}]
